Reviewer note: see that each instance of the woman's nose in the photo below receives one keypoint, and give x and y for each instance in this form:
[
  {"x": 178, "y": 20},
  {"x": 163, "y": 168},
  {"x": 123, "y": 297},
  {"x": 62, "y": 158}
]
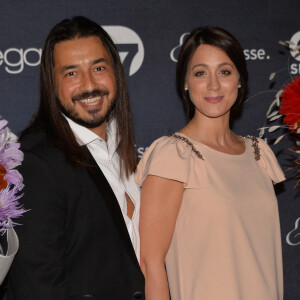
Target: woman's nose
[{"x": 213, "y": 83}]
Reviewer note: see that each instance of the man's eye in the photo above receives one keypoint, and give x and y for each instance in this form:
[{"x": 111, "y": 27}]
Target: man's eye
[
  {"x": 99, "y": 68},
  {"x": 72, "y": 73}
]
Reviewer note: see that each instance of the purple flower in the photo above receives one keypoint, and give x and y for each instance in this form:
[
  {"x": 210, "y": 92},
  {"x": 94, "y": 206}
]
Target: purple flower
[
  {"x": 10, "y": 155},
  {"x": 9, "y": 207},
  {"x": 11, "y": 180}
]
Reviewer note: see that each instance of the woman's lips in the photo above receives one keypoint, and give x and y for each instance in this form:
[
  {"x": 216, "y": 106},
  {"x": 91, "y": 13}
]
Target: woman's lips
[{"x": 214, "y": 99}]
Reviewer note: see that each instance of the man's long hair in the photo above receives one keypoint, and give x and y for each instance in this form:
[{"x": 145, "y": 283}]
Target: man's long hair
[{"x": 48, "y": 116}]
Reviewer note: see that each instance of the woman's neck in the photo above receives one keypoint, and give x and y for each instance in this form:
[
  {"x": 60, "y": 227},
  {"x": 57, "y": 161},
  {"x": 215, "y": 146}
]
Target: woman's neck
[{"x": 215, "y": 133}]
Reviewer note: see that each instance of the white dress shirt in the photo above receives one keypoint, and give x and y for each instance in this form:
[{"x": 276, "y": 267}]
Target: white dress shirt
[{"x": 107, "y": 159}]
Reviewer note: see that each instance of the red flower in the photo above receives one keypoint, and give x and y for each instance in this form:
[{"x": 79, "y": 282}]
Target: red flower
[
  {"x": 3, "y": 180},
  {"x": 290, "y": 104}
]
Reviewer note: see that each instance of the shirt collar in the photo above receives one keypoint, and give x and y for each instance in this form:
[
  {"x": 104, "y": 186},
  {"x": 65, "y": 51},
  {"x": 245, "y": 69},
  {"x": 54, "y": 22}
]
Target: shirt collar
[{"x": 84, "y": 136}]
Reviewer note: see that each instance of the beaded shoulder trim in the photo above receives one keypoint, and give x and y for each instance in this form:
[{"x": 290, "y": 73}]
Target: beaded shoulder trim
[
  {"x": 187, "y": 141},
  {"x": 255, "y": 146}
]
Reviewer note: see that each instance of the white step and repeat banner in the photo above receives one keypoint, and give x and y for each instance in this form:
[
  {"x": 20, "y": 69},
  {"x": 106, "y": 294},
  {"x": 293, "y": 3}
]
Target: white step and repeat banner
[{"x": 149, "y": 34}]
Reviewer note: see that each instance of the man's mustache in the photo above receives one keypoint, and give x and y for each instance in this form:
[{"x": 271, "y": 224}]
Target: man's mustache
[{"x": 87, "y": 95}]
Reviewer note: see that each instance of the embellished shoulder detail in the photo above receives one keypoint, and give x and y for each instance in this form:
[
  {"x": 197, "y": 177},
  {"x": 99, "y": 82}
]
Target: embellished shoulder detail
[
  {"x": 173, "y": 158},
  {"x": 267, "y": 160},
  {"x": 255, "y": 146},
  {"x": 187, "y": 141}
]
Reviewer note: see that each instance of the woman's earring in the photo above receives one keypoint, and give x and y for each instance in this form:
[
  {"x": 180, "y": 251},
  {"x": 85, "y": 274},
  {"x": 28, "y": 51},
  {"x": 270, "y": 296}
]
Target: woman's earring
[
  {"x": 239, "y": 86},
  {"x": 187, "y": 93}
]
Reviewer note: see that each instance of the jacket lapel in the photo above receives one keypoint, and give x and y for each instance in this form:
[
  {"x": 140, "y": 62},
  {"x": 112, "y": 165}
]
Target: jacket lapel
[{"x": 113, "y": 206}]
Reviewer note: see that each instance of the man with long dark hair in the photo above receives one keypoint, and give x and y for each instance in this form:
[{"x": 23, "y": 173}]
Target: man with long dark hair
[{"x": 80, "y": 238}]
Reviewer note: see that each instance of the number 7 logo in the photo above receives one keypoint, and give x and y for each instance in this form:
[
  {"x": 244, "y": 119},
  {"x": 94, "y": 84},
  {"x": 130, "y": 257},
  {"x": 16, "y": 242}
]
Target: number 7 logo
[{"x": 130, "y": 47}]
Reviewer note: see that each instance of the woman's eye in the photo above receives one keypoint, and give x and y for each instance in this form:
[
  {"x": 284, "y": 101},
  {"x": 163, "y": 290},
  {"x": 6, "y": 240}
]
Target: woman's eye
[
  {"x": 225, "y": 72},
  {"x": 200, "y": 73},
  {"x": 100, "y": 68}
]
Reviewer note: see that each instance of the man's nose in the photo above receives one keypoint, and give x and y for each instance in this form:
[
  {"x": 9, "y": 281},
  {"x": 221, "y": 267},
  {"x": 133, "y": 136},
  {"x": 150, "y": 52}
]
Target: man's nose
[{"x": 87, "y": 82}]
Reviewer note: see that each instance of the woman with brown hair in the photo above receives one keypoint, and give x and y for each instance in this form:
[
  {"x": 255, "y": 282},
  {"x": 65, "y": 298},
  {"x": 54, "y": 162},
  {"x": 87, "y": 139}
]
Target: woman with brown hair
[{"x": 209, "y": 220}]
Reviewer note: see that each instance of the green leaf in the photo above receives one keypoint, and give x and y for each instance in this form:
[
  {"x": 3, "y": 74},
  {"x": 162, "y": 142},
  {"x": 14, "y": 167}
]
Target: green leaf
[
  {"x": 272, "y": 75},
  {"x": 271, "y": 107},
  {"x": 261, "y": 132},
  {"x": 275, "y": 118},
  {"x": 272, "y": 114},
  {"x": 290, "y": 42},
  {"x": 279, "y": 139},
  {"x": 273, "y": 128}
]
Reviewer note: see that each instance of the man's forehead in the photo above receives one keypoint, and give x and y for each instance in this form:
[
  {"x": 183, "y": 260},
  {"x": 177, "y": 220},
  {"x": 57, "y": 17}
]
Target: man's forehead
[{"x": 89, "y": 47}]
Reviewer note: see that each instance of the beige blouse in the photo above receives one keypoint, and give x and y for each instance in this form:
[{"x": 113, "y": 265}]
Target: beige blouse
[{"x": 226, "y": 243}]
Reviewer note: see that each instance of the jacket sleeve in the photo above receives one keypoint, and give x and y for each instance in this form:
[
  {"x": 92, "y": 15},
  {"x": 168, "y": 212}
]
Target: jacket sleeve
[{"x": 38, "y": 271}]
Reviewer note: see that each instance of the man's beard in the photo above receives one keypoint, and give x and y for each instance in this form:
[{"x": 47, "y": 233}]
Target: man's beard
[{"x": 94, "y": 120}]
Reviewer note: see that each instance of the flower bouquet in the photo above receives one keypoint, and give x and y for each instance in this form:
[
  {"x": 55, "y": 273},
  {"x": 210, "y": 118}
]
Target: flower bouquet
[
  {"x": 11, "y": 183},
  {"x": 286, "y": 107},
  {"x": 290, "y": 109}
]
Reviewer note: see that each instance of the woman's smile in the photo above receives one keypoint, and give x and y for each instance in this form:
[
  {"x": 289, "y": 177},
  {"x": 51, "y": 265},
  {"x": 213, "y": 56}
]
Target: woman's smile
[{"x": 216, "y": 99}]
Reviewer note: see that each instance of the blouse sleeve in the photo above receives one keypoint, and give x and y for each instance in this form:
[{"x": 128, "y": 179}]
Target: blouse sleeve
[
  {"x": 166, "y": 157},
  {"x": 269, "y": 163}
]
